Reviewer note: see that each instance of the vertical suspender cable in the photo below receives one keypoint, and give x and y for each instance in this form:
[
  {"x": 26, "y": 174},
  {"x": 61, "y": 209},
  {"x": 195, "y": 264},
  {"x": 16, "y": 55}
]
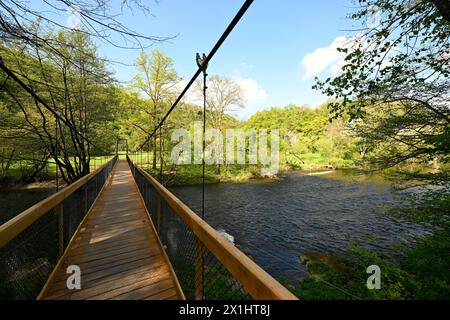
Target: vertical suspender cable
[
  {"x": 216, "y": 47},
  {"x": 160, "y": 156},
  {"x": 203, "y": 167},
  {"x": 202, "y": 63},
  {"x": 56, "y": 155},
  {"x": 204, "y": 142}
]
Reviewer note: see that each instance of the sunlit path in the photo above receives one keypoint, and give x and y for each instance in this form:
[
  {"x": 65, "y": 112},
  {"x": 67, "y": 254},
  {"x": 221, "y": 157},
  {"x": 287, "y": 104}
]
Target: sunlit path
[{"x": 117, "y": 250}]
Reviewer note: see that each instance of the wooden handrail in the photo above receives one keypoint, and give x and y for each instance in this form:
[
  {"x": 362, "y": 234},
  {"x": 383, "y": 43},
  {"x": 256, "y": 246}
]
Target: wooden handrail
[
  {"x": 12, "y": 228},
  {"x": 257, "y": 282}
]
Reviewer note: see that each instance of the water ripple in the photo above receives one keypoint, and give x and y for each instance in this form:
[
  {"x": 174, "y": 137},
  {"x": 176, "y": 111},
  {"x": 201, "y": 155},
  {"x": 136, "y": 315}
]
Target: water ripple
[{"x": 275, "y": 222}]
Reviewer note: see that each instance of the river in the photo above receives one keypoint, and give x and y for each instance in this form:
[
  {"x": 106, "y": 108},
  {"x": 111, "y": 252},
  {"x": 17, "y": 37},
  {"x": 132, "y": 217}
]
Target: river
[{"x": 274, "y": 222}]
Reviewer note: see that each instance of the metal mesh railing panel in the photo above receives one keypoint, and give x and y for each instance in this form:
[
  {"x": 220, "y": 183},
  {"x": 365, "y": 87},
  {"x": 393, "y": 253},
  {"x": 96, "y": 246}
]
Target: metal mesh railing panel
[
  {"x": 73, "y": 213},
  {"x": 27, "y": 260},
  {"x": 219, "y": 283},
  {"x": 184, "y": 251},
  {"x": 179, "y": 242}
]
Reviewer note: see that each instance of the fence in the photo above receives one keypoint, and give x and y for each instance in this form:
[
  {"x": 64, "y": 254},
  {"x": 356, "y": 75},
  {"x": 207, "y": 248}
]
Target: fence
[
  {"x": 32, "y": 242},
  {"x": 207, "y": 265}
]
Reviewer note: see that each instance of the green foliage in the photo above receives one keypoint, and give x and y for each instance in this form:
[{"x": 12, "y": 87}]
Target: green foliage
[
  {"x": 399, "y": 66},
  {"x": 381, "y": 59},
  {"x": 69, "y": 78},
  {"x": 307, "y": 139},
  {"x": 441, "y": 143}
]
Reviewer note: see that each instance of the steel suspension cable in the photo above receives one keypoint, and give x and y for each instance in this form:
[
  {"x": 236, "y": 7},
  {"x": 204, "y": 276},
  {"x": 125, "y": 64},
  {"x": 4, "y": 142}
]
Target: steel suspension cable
[
  {"x": 160, "y": 156},
  {"x": 204, "y": 67},
  {"x": 216, "y": 47}
]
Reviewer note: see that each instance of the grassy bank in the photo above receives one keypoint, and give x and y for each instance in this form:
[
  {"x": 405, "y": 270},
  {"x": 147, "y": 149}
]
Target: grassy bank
[
  {"x": 14, "y": 178},
  {"x": 193, "y": 174},
  {"x": 234, "y": 173}
]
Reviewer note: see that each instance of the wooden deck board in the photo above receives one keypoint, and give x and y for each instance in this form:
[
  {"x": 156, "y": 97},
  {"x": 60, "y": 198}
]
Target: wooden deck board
[{"x": 116, "y": 249}]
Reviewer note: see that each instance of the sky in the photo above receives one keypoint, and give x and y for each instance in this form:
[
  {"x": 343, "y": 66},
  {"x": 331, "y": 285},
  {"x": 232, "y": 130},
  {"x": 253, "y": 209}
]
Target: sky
[{"x": 274, "y": 53}]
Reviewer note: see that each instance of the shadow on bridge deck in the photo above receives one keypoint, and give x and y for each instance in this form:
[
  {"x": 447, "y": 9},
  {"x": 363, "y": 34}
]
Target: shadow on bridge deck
[{"x": 117, "y": 250}]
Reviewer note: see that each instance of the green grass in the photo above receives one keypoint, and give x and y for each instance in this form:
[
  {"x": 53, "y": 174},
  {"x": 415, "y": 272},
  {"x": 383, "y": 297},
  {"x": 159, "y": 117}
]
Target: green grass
[
  {"x": 315, "y": 161},
  {"x": 192, "y": 174},
  {"x": 19, "y": 169}
]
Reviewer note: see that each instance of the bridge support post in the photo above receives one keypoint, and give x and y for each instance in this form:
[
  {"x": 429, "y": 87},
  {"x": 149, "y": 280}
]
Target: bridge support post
[
  {"x": 199, "y": 253},
  {"x": 96, "y": 184},
  {"x": 59, "y": 211},
  {"x": 85, "y": 199},
  {"x": 158, "y": 215}
]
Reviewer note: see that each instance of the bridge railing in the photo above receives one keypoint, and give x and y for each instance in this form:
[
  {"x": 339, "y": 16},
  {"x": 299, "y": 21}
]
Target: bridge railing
[
  {"x": 206, "y": 264},
  {"x": 32, "y": 242}
]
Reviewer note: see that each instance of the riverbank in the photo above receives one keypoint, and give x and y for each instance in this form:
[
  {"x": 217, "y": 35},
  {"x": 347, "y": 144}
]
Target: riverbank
[
  {"x": 407, "y": 274},
  {"x": 193, "y": 174}
]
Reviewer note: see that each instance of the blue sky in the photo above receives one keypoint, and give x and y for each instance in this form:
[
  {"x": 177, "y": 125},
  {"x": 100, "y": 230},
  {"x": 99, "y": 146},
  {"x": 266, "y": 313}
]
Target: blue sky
[{"x": 264, "y": 53}]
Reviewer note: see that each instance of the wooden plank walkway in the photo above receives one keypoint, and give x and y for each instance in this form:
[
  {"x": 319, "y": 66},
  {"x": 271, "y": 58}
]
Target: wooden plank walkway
[{"x": 117, "y": 250}]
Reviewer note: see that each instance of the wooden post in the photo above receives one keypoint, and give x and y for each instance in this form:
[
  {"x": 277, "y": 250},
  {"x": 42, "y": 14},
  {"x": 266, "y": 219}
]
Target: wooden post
[
  {"x": 96, "y": 184},
  {"x": 86, "y": 198},
  {"x": 199, "y": 251},
  {"x": 158, "y": 215},
  {"x": 59, "y": 210}
]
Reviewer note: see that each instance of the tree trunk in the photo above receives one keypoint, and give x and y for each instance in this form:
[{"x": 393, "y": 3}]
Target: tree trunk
[
  {"x": 37, "y": 169},
  {"x": 6, "y": 161},
  {"x": 443, "y": 7}
]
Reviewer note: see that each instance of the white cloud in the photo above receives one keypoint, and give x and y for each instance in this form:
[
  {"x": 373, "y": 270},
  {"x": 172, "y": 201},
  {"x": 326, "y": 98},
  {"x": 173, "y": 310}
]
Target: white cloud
[
  {"x": 322, "y": 58},
  {"x": 328, "y": 58},
  {"x": 253, "y": 91},
  {"x": 245, "y": 65}
]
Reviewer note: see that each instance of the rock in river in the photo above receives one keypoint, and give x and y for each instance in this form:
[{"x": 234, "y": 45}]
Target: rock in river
[{"x": 309, "y": 258}]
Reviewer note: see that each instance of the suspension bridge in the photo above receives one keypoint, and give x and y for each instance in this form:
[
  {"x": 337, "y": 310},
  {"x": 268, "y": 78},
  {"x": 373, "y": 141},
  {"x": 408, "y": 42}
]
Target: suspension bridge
[
  {"x": 128, "y": 237},
  {"x": 131, "y": 238}
]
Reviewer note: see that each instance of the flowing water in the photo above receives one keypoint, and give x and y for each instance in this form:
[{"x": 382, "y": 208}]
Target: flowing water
[{"x": 274, "y": 222}]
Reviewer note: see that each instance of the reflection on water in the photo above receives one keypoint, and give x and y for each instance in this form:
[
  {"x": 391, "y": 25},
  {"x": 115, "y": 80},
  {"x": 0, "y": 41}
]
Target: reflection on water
[{"x": 274, "y": 222}]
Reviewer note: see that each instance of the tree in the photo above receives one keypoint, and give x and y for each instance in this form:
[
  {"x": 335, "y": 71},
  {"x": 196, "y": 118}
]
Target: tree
[
  {"x": 59, "y": 75},
  {"x": 157, "y": 79},
  {"x": 56, "y": 94},
  {"x": 402, "y": 61},
  {"x": 94, "y": 18},
  {"x": 223, "y": 96}
]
